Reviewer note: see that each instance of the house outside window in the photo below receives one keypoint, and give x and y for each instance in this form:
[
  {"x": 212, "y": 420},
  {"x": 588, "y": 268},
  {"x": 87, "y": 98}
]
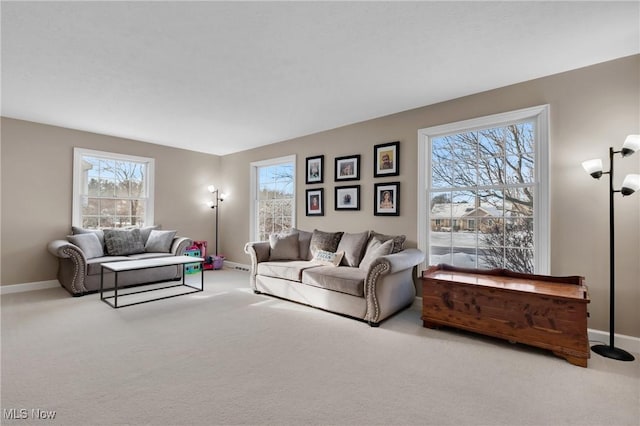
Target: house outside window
[
  {"x": 484, "y": 192},
  {"x": 273, "y": 197},
  {"x": 112, "y": 190}
]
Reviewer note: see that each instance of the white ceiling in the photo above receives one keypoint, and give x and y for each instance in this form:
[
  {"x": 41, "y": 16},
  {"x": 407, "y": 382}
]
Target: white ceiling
[{"x": 222, "y": 77}]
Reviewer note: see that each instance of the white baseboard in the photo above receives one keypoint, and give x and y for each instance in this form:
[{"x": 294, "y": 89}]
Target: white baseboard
[
  {"x": 20, "y": 288},
  {"x": 628, "y": 343},
  {"x": 236, "y": 266}
]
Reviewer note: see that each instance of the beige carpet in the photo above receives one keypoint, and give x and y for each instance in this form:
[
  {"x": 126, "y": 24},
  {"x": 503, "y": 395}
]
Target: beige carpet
[{"x": 228, "y": 356}]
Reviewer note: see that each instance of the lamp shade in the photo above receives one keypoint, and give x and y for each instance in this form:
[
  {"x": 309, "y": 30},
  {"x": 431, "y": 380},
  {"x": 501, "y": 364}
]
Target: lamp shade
[
  {"x": 630, "y": 184},
  {"x": 211, "y": 188},
  {"x": 631, "y": 145},
  {"x": 593, "y": 167}
]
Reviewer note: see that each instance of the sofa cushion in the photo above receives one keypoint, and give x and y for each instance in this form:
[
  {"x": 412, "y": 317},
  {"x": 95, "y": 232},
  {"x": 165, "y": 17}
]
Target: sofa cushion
[
  {"x": 375, "y": 249},
  {"x": 93, "y": 265},
  {"x": 398, "y": 240},
  {"x": 159, "y": 241},
  {"x": 88, "y": 243},
  {"x": 328, "y": 258},
  {"x": 304, "y": 240},
  {"x": 284, "y": 247},
  {"x": 353, "y": 246},
  {"x": 75, "y": 230},
  {"x": 120, "y": 242},
  {"x": 342, "y": 279},
  {"x": 288, "y": 270},
  {"x": 327, "y": 241}
]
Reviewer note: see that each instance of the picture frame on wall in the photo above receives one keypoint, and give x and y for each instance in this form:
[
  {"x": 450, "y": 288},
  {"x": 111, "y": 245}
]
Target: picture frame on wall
[
  {"x": 315, "y": 202},
  {"x": 315, "y": 169},
  {"x": 386, "y": 200},
  {"x": 347, "y": 168},
  {"x": 386, "y": 159},
  {"x": 347, "y": 197}
]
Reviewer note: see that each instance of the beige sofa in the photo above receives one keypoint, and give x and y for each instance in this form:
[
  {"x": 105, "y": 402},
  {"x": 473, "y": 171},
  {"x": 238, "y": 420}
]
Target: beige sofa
[
  {"x": 373, "y": 280},
  {"x": 80, "y": 255}
]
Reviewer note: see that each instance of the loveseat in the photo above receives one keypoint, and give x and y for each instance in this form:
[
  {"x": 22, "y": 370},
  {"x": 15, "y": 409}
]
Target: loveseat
[
  {"x": 80, "y": 255},
  {"x": 367, "y": 276}
]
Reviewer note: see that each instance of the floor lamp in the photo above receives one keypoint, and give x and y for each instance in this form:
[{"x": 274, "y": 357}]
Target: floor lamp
[
  {"x": 630, "y": 185},
  {"x": 217, "y": 197}
]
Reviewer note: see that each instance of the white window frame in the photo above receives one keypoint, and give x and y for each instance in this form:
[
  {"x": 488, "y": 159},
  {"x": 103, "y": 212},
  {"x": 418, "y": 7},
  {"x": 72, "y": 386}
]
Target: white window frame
[
  {"x": 79, "y": 181},
  {"x": 254, "y": 166},
  {"x": 541, "y": 230}
]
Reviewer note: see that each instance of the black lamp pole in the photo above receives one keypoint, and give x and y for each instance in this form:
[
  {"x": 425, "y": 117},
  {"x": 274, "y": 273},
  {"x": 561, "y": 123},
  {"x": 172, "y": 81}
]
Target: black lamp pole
[
  {"x": 610, "y": 351},
  {"x": 214, "y": 205}
]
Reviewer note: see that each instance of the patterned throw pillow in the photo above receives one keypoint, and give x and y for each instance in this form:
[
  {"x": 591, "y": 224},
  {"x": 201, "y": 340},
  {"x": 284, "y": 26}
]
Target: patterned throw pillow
[
  {"x": 159, "y": 241},
  {"x": 327, "y": 241},
  {"x": 123, "y": 242},
  {"x": 328, "y": 258}
]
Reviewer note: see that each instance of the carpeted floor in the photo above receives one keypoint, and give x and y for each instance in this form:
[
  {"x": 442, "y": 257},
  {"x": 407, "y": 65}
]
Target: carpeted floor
[{"x": 228, "y": 356}]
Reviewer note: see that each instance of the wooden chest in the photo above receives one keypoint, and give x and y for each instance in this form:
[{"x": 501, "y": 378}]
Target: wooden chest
[{"x": 538, "y": 310}]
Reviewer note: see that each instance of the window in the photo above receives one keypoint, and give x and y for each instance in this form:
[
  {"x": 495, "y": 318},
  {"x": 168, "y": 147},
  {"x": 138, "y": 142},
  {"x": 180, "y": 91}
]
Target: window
[
  {"x": 111, "y": 190},
  {"x": 484, "y": 192},
  {"x": 273, "y": 197}
]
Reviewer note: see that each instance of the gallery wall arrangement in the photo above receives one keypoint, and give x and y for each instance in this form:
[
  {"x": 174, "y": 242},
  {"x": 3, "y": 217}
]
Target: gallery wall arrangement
[{"x": 386, "y": 195}]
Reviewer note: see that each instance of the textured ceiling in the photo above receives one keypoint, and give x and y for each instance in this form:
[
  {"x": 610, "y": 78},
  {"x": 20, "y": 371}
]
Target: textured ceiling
[{"x": 222, "y": 77}]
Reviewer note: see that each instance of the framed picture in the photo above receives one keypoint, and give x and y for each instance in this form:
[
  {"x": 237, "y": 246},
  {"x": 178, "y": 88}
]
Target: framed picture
[
  {"x": 347, "y": 197},
  {"x": 347, "y": 168},
  {"x": 387, "y": 199},
  {"x": 315, "y": 202},
  {"x": 386, "y": 159},
  {"x": 315, "y": 169}
]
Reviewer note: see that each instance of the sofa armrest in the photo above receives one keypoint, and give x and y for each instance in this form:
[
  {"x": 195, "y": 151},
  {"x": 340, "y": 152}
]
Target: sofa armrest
[
  {"x": 405, "y": 259},
  {"x": 385, "y": 274},
  {"x": 60, "y": 248},
  {"x": 261, "y": 250},
  {"x": 180, "y": 244},
  {"x": 258, "y": 251},
  {"x": 72, "y": 266}
]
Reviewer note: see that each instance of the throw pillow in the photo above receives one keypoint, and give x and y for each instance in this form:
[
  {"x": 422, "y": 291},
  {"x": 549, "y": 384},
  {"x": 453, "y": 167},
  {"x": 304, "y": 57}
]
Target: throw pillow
[
  {"x": 88, "y": 243},
  {"x": 375, "y": 249},
  {"x": 159, "y": 241},
  {"x": 398, "y": 240},
  {"x": 284, "y": 247},
  {"x": 353, "y": 246},
  {"x": 304, "y": 240},
  {"x": 121, "y": 242},
  {"x": 145, "y": 231},
  {"x": 75, "y": 230},
  {"x": 328, "y": 258},
  {"x": 327, "y": 241}
]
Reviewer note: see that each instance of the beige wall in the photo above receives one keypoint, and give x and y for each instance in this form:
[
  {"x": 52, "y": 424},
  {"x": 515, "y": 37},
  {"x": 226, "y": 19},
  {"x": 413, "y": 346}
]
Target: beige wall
[
  {"x": 591, "y": 109},
  {"x": 37, "y": 167}
]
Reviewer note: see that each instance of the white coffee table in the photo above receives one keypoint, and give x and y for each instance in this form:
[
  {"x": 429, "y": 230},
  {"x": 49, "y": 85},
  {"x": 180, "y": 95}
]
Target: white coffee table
[{"x": 132, "y": 265}]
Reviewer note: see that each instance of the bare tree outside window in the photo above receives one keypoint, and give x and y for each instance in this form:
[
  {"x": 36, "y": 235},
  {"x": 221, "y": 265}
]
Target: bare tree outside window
[
  {"x": 482, "y": 198},
  {"x": 276, "y": 189},
  {"x": 115, "y": 193}
]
